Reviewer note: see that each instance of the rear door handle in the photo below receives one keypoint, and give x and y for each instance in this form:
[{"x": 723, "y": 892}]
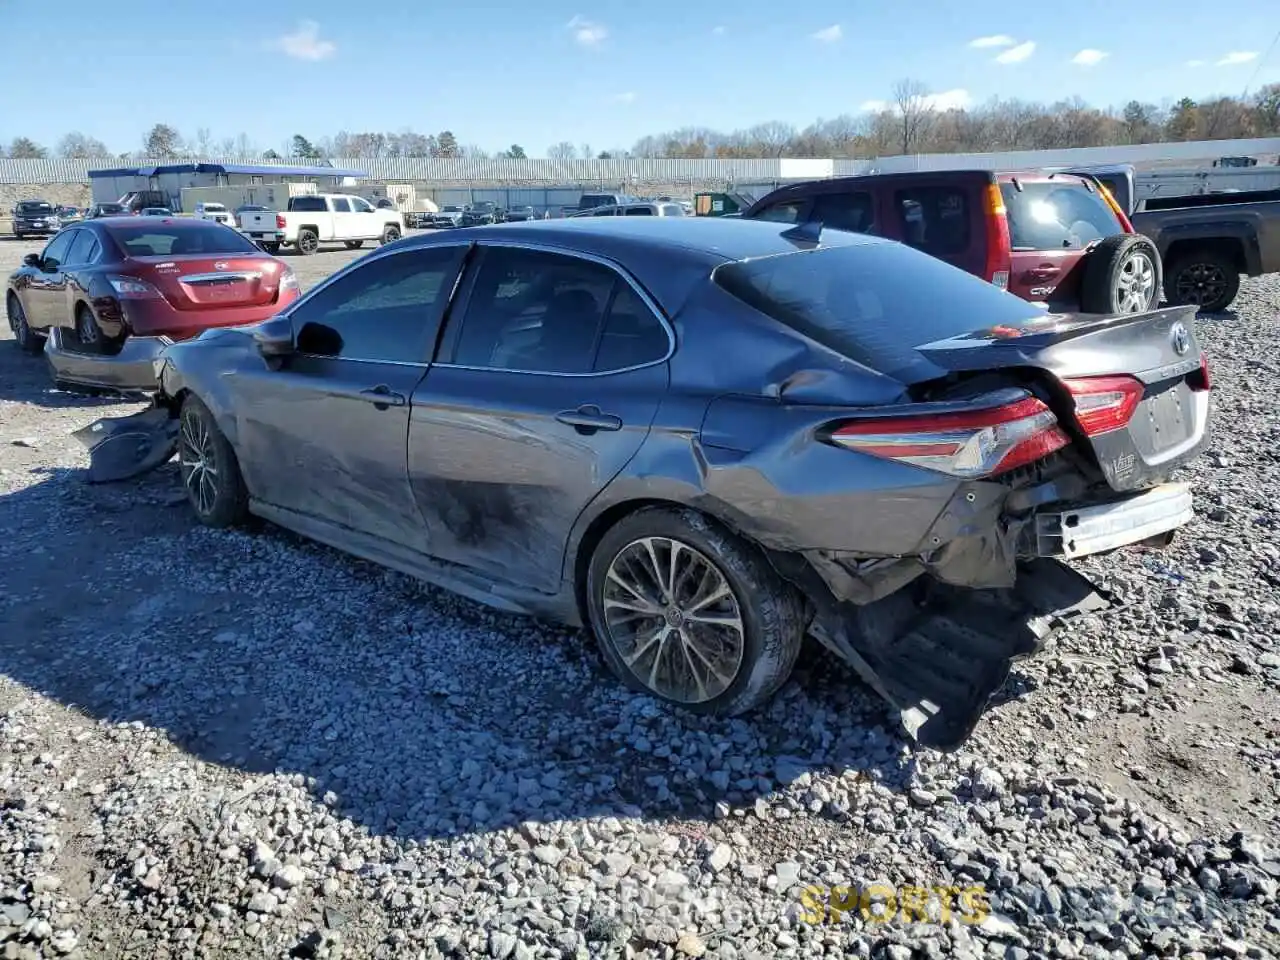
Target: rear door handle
[
  {"x": 588, "y": 418},
  {"x": 1043, "y": 273},
  {"x": 382, "y": 397}
]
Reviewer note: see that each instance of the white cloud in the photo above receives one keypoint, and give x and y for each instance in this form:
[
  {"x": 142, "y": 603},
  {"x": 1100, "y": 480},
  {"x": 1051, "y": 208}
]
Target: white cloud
[
  {"x": 997, "y": 40},
  {"x": 828, "y": 34},
  {"x": 717, "y": 31},
  {"x": 305, "y": 43},
  {"x": 628, "y": 97},
  {"x": 1195, "y": 63},
  {"x": 586, "y": 32},
  {"x": 956, "y": 99},
  {"x": 1089, "y": 58},
  {"x": 1017, "y": 54},
  {"x": 1237, "y": 57}
]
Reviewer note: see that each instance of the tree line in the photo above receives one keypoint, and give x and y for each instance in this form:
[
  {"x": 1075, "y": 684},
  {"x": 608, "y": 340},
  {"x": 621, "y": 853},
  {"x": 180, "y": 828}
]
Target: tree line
[{"x": 912, "y": 122}]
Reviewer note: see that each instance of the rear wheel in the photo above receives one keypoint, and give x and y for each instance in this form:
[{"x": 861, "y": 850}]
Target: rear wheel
[
  {"x": 354, "y": 244},
  {"x": 1206, "y": 279},
  {"x": 22, "y": 332},
  {"x": 390, "y": 235},
  {"x": 89, "y": 335},
  {"x": 308, "y": 241},
  {"x": 1121, "y": 275},
  {"x": 271, "y": 247},
  {"x": 687, "y": 612},
  {"x": 209, "y": 467}
]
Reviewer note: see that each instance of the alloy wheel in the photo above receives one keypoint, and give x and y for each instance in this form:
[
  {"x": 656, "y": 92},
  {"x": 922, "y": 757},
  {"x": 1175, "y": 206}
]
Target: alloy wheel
[
  {"x": 1200, "y": 283},
  {"x": 86, "y": 329},
  {"x": 308, "y": 243},
  {"x": 674, "y": 619},
  {"x": 1136, "y": 283},
  {"x": 198, "y": 462}
]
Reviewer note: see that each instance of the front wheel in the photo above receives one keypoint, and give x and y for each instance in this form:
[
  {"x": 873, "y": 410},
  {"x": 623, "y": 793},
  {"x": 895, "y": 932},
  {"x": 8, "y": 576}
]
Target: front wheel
[
  {"x": 209, "y": 468},
  {"x": 28, "y": 342},
  {"x": 1207, "y": 279},
  {"x": 687, "y": 612},
  {"x": 390, "y": 235}
]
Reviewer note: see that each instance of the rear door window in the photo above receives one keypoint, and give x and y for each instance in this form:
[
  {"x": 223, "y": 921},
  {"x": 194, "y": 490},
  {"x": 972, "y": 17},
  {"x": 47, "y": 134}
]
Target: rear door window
[
  {"x": 844, "y": 211},
  {"x": 873, "y": 303},
  {"x": 84, "y": 249},
  {"x": 639, "y": 211},
  {"x": 788, "y": 211},
  {"x": 1056, "y": 215},
  {"x": 341, "y": 205},
  {"x": 934, "y": 219}
]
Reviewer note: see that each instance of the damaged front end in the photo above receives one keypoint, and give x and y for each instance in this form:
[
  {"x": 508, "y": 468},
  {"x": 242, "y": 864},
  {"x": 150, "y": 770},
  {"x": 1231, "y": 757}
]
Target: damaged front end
[{"x": 124, "y": 447}]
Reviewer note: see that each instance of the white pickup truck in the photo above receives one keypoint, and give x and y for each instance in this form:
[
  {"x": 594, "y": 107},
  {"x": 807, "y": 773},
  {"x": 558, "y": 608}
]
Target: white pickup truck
[{"x": 322, "y": 218}]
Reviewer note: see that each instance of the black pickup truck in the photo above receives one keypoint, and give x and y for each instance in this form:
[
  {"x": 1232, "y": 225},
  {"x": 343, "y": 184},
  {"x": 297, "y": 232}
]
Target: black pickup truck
[{"x": 1207, "y": 241}]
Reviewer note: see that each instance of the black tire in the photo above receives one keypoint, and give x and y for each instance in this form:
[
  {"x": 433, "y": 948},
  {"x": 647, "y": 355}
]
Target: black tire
[
  {"x": 28, "y": 340},
  {"x": 773, "y": 614},
  {"x": 390, "y": 235},
  {"x": 271, "y": 247},
  {"x": 1206, "y": 278},
  {"x": 308, "y": 242},
  {"x": 1111, "y": 272},
  {"x": 90, "y": 337},
  {"x": 224, "y": 502},
  {"x": 354, "y": 244}
]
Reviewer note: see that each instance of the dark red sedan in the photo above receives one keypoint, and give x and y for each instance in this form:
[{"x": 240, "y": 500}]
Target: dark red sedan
[{"x": 110, "y": 294}]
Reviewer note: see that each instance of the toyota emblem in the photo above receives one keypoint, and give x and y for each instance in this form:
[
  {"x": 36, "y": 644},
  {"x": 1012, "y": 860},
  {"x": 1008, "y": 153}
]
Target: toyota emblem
[
  {"x": 222, "y": 265},
  {"x": 1180, "y": 337}
]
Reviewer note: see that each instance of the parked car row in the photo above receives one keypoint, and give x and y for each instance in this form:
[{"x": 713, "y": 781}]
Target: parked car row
[
  {"x": 902, "y": 460},
  {"x": 40, "y": 218}
]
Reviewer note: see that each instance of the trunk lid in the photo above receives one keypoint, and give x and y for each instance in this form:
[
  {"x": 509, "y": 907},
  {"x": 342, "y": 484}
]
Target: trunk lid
[
  {"x": 1150, "y": 364},
  {"x": 259, "y": 220},
  {"x": 204, "y": 282}
]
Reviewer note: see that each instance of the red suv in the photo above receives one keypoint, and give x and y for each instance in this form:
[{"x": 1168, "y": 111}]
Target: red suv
[{"x": 1054, "y": 238}]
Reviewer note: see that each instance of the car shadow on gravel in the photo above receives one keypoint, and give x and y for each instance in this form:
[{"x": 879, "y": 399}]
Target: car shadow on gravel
[
  {"x": 27, "y": 379},
  {"x": 409, "y": 710}
]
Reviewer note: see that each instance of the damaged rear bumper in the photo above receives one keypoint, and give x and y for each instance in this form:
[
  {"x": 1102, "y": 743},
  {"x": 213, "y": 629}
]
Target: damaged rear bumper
[
  {"x": 132, "y": 369},
  {"x": 1086, "y": 530}
]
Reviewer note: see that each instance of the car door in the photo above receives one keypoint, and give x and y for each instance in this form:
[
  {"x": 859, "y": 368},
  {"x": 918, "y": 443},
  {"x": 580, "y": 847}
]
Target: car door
[
  {"x": 69, "y": 287},
  {"x": 346, "y": 224},
  {"x": 549, "y": 375},
  {"x": 43, "y": 294},
  {"x": 324, "y": 436},
  {"x": 365, "y": 221}
]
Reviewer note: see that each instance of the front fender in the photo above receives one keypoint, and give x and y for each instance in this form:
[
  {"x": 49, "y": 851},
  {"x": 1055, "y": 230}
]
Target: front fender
[{"x": 205, "y": 366}]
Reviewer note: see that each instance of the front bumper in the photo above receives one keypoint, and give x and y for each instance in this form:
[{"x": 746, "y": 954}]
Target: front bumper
[
  {"x": 130, "y": 370},
  {"x": 1100, "y": 528}
]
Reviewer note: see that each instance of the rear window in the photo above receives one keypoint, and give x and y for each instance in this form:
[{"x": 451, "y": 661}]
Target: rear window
[
  {"x": 934, "y": 219},
  {"x": 147, "y": 241},
  {"x": 873, "y": 303},
  {"x": 35, "y": 208},
  {"x": 590, "y": 200},
  {"x": 215, "y": 208},
  {"x": 307, "y": 205},
  {"x": 111, "y": 207},
  {"x": 1056, "y": 215}
]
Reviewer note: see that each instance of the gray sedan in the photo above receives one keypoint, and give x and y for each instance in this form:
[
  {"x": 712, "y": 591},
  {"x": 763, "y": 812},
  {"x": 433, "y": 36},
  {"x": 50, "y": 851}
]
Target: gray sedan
[{"x": 702, "y": 440}]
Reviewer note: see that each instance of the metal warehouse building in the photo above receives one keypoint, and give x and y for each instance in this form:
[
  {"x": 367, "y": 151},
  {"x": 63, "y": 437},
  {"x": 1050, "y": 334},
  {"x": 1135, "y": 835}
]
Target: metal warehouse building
[{"x": 171, "y": 179}]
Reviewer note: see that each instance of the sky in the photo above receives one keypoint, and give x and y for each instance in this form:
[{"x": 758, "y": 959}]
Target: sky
[{"x": 597, "y": 72}]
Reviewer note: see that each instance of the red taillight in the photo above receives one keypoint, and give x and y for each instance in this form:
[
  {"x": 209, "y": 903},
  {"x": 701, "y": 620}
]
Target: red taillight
[
  {"x": 999, "y": 253},
  {"x": 1200, "y": 379},
  {"x": 131, "y": 288},
  {"x": 1115, "y": 208},
  {"x": 971, "y": 444},
  {"x": 1104, "y": 404},
  {"x": 279, "y": 221}
]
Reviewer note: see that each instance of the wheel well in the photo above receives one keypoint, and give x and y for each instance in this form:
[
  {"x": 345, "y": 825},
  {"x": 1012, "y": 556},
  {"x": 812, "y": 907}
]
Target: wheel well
[
  {"x": 1229, "y": 248},
  {"x": 309, "y": 226}
]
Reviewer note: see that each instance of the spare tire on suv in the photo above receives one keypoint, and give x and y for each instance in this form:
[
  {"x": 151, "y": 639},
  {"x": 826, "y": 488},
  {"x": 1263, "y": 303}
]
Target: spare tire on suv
[{"x": 1122, "y": 274}]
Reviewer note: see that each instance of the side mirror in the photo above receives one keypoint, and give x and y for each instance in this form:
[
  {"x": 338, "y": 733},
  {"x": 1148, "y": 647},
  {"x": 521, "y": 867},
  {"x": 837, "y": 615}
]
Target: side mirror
[
  {"x": 316, "y": 338},
  {"x": 274, "y": 338},
  {"x": 31, "y": 260}
]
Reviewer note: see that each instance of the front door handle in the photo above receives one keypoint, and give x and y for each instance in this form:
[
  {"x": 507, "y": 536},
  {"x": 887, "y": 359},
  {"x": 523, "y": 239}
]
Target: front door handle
[
  {"x": 588, "y": 418},
  {"x": 382, "y": 397}
]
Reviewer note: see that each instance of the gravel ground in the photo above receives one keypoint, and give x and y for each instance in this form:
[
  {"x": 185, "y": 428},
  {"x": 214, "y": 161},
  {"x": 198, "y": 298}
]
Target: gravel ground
[{"x": 229, "y": 745}]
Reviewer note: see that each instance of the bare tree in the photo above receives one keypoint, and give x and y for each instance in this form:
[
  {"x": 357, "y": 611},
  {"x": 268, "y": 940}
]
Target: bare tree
[
  {"x": 77, "y": 146},
  {"x": 24, "y": 148},
  {"x": 162, "y": 141},
  {"x": 564, "y": 150},
  {"x": 915, "y": 113}
]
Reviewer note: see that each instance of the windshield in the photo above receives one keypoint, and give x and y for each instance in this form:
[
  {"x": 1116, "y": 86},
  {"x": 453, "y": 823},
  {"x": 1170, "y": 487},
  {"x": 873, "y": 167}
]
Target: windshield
[
  {"x": 1056, "y": 214},
  {"x": 111, "y": 207},
  {"x": 35, "y": 208},
  {"x": 191, "y": 237},
  {"x": 874, "y": 303},
  {"x": 214, "y": 208},
  {"x": 452, "y": 210}
]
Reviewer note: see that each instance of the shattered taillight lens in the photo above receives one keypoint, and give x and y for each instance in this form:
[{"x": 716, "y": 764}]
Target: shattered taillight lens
[
  {"x": 1104, "y": 404},
  {"x": 972, "y": 444}
]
